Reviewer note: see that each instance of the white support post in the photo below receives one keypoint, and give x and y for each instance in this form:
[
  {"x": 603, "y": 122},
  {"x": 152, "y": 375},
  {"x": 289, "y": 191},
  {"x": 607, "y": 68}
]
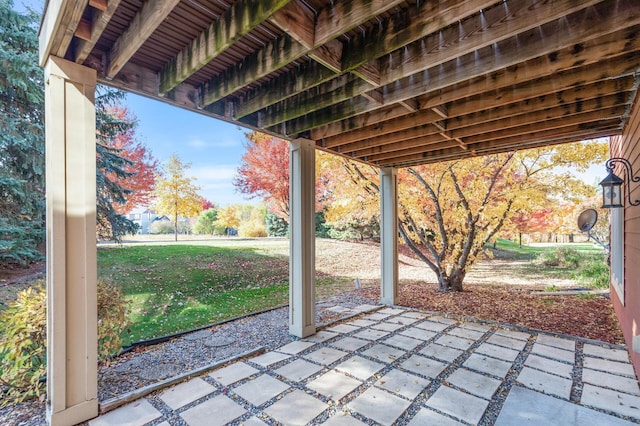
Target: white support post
[
  {"x": 72, "y": 342},
  {"x": 302, "y": 256},
  {"x": 389, "y": 235}
]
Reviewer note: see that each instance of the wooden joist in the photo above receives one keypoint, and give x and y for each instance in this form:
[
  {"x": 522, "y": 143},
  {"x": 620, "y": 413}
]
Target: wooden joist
[{"x": 143, "y": 24}]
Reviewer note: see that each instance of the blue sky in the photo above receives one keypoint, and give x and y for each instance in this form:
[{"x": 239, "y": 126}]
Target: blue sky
[{"x": 213, "y": 147}]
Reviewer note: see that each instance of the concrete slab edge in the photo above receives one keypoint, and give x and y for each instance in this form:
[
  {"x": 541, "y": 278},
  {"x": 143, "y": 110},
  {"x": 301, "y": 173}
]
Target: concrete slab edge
[{"x": 113, "y": 403}]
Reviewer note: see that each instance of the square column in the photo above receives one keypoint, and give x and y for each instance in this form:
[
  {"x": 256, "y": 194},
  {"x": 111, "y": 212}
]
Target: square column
[
  {"x": 72, "y": 342},
  {"x": 389, "y": 235},
  {"x": 302, "y": 255}
]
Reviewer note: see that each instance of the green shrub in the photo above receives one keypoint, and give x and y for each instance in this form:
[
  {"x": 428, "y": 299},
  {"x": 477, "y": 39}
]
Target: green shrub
[
  {"x": 563, "y": 257},
  {"x": 595, "y": 272},
  {"x": 23, "y": 338}
]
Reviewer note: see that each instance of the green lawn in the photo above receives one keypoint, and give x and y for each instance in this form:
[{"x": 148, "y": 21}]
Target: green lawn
[{"x": 178, "y": 287}]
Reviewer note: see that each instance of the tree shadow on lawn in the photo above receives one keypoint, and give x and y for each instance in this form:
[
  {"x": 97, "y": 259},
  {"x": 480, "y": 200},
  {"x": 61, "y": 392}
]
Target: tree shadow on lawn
[{"x": 181, "y": 287}]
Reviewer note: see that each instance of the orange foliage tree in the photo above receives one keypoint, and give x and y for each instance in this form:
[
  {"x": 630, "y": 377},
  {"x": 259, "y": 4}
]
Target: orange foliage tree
[
  {"x": 141, "y": 167},
  {"x": 264, "y": 173},
  {"x": 449, "y": 211}
]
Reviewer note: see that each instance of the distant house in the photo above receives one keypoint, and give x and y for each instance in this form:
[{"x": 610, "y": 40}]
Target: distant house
[{"x": 143, "y": 217}]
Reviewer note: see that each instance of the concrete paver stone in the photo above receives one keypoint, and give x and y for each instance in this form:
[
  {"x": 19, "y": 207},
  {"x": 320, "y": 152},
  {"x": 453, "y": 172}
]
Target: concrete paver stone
[
  {"x": 622, "y": 368},
  {"x": 362, "y": 322},
  {"x": 326, "y": 356},
  {"x": 404, "y": 320},
  {"x": 233, "y": 373},
  {"x": 365, "y": 308},
  {"x": 523, "y": 408},
  {"x": 474, "y": 383},
  {"x": 320, "y": 336},
  {"x": 384, "y": 353},
  {"x": 377, "y": 316},
  {"x": 185, "y": 393},
  {"x": 219, "y": 410},
  {"x": 445, "y": 353},
  {"x": 620, "y": 383},
  {"x": 418, "y": 333},
  {"x": 387, "y": 326},
  {"x": 498, "y": 352},
  {"x": 359, "y": 367},
  {"x": 296, "y": 347},
  {"x": 549, "y": 365},
  {"x": 349, "y": 343},
  {"x": 402, "y": 383},
  {"x": 270, "y": 358},
  {"x": 253, "y": 421},
  {"x": 137, "y": 413},
  {"x": 610, "y": 400},
  {"x": 555, "y": 353},
  {"x": 296, "y": 408},
  {"x": 557, "y": 342},
  {"x": 414, "y": 315},
  {"x": 343, "y": 328},
  {"x": 488, "y": 365},
  {"x": 260, "y": 390},
  {"x": 298, "y": 370},
  {"x": 334, "y": 385},
  {"x": 339, "y": 309},
  {"x": 392, "y": 311},
  {"x": 403, "y": 342},
  {"x": 429, "y": 417},
  {"x": 443, "y": 320},
  {"x": 466, "y": 333},
  {"x": 371, "y": 334},
  {"x": 514, "y": 334},
  {"x": 379, "y": 405},
  {"x": 431, "y": 326},
  {"x": 545, "y": 382},
  {"x": 454, "y": 342},
  {"x": 423, "y": 366},
  {"x": 604, "y": 352},
  {"x": 458, "y": 404},
  {"x": 343, "y": 419},
  {"x": 507, "y": 342},
  {"x": 475, "y": 326}
]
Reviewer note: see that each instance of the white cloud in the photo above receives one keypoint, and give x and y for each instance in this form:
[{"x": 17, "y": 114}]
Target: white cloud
[
  {"x": 202, "y": 144},
  {"x": 205, "y": 174}
]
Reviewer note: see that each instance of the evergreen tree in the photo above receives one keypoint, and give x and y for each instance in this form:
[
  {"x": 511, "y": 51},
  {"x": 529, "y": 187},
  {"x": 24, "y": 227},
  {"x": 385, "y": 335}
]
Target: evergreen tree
[{"x": 22, "y": 206}]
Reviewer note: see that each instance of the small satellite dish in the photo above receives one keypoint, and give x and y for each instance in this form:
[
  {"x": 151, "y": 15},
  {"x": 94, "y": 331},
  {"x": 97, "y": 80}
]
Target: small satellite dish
[{"x": 587, "y": 219}]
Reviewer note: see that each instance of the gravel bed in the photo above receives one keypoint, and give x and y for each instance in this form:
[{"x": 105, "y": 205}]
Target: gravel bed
[{"x": 147, "y": 365}]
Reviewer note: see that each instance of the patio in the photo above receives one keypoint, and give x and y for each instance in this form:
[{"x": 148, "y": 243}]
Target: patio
[{"x": 398, "y": 366}]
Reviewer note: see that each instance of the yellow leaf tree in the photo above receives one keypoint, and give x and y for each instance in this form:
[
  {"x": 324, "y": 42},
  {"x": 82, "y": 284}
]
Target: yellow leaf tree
[
  {"x": 449, "y": 211},
  {"x": 228, "y": 217},
  {"x": 175, "y": 193}
]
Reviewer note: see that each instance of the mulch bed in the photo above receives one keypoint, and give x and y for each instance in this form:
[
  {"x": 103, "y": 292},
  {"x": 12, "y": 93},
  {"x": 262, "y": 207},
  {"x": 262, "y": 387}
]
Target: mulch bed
[{"x": 592, "y": 318}]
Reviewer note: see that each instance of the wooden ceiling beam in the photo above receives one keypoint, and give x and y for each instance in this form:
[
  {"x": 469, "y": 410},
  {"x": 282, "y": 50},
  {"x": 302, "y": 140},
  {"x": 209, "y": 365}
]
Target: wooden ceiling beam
[
  {"x": 276, "y": 54},
  {"x": 468, "y": 127},
  {"x": 614, "y": 54},
  {"x": 571, "y": 133},
  {"x": 600, "y": 74},
  {"x": 99, "y": 22},
  {"x": 501, "y": 22},
  {"x": 297, "y": 20},
  {"x": 410, "y": 25},
  {"x": 565, "y": 34},
  {"x": 236, "y": 22},
  {"x": 359, "y": 12},
  {"x": 142, "y": 25},
  {"x": 429, "y": 17}
]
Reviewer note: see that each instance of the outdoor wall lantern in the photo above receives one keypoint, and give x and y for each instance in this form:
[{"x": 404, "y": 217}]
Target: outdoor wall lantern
[{"x": 612, "y": 185}]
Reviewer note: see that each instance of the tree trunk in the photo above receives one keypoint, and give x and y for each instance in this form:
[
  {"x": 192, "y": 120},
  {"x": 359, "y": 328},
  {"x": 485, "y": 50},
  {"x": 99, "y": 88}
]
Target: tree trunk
[
  {"x": 451, "y": 282},
  {"x": 520, "y": 239},
  {"x": 175, "y": 227}
]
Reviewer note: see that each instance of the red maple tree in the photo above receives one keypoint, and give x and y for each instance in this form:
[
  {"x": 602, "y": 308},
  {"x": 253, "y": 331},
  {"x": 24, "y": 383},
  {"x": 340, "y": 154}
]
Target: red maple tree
[
  {"x": 264, "y": 173},
  {"x": 144, "y": 166}
]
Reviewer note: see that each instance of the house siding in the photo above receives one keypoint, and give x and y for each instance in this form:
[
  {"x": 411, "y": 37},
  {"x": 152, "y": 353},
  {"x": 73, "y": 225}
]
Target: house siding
[{"x": 628, "y": 311}]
